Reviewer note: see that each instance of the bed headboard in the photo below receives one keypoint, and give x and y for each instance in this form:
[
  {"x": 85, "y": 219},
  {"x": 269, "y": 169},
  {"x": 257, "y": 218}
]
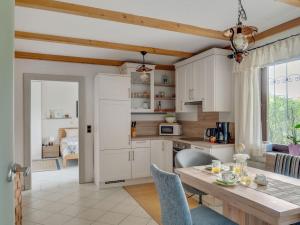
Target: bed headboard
[{"x": 62, "y": 132}]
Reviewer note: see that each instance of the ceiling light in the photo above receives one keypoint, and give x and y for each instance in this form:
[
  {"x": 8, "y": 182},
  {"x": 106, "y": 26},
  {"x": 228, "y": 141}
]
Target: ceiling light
[
  {"x": 240, "y": 35},
  {"x": 144, "y": 69}
]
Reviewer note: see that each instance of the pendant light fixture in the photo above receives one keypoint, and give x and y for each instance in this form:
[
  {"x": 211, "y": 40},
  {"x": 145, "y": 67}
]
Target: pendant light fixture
[
  {"x": 240, "y": 35},
  {"x": 144, "y": 69}
]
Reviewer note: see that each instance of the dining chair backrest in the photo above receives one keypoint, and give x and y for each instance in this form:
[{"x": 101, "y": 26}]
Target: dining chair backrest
[
  {"x": 173, "y": 203},
  {"x": 192, "y": 157}
]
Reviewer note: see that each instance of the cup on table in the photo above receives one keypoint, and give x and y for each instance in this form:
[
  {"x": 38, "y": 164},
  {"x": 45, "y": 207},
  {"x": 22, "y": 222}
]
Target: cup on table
[
  {"x": 216, "y": 166},
  {"x": 228, "y": 176}
]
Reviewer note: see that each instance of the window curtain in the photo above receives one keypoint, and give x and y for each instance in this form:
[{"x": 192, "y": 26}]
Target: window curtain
[{"x": 248, "y": 127}]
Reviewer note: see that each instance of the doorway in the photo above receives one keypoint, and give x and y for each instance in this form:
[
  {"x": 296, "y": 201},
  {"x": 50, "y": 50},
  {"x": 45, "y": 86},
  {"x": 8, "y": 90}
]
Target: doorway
[{"x": 54, "y": 129}]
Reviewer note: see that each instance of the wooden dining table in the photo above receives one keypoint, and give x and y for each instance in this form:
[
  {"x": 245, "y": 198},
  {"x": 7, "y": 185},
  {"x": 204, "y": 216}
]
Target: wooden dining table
[{"x": 245, "y": 205}]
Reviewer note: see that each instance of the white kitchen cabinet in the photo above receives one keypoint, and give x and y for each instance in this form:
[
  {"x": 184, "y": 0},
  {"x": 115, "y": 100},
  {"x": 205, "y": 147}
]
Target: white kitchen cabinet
[
  {"x": 115, "y": 165},
  {"x": 206, "y": 77},
  {"x": 198, "y": 87},
  {"x": 182, "y": 90},
  {"x": 168, "y": 155},
  {"x": 140, "y": 158},
  {"x": 113, "y": 87},
  {"x": 223, "y": 153},
  {"x": 162, "y": 154},
  {"x": 218, "y": 84},
  {"x": 114, "y": 124}
]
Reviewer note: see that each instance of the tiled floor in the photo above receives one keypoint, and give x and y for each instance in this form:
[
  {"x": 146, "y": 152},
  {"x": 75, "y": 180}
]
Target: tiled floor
[{"x": 57, "y": 199}]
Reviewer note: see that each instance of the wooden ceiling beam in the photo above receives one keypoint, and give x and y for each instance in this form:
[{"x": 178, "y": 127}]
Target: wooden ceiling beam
[
  {"x": 72, "y": 59},
  {"x": 99, "y": 44},
  {"x": 104, "y": 14},
  {"x": 278, "y": 29},
  {"x": 291, "y": 2}
]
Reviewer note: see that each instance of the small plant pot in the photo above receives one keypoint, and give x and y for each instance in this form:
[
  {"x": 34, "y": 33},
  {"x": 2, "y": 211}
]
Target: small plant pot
[{"x": 294, "y": 149}]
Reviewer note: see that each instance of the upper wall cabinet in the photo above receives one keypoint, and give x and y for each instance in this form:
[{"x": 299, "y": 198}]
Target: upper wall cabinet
[
  {"x": 206, "y": 77},
  {"x": 113, "y": 87},
  {"x": 142, "y": 88}
]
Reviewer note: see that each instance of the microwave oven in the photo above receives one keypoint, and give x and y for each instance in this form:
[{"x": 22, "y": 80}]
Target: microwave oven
[{"x": 170, "y": 129}]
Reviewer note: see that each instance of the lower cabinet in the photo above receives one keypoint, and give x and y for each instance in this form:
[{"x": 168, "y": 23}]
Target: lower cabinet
[
  {"x": 140, "y": 162},
  {"x": 115, "y": 165},
  {"x": 224, "y": 154},
  {"x": 124, "y": 164},
  {"x": 162, "y": 154}
]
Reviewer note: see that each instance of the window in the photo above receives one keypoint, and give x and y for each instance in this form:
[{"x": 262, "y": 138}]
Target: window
[{"x": 280, "y": 101}]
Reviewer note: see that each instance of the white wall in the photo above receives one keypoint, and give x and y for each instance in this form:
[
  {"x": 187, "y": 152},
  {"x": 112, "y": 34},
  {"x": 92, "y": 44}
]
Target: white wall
[
  {"x": 61, "y": 97},
  {"x": 56, "y": 68},
  {"x": 36, "y": 120}
]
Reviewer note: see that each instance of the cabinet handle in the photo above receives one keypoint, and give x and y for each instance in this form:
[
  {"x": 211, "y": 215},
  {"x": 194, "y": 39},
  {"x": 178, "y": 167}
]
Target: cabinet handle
[
  {"x": 192, "y": 91},
  {"x": 129, "y": 158},
  {"x": 132, "y": 155}
]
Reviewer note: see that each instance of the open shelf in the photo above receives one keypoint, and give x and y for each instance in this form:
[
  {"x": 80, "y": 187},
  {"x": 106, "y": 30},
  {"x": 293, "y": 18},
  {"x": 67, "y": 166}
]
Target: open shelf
[
  {"x": 164, "y": 85},
  {"x": 164, "y": 110},
  {"x": 164, "y": 98}
]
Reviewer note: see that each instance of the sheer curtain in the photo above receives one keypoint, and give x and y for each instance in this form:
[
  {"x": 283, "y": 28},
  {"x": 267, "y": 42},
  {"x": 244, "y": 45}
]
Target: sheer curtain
[{"x": 248, "y": 127}]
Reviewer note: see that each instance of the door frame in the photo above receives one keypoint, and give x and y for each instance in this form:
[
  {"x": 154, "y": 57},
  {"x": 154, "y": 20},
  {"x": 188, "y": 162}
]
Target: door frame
[{"x": 27, "y": 78}]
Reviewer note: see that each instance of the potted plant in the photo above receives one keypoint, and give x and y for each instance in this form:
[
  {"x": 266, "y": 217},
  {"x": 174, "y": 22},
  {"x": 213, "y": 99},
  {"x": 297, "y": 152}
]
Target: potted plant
[
  {"x": 170, "y": 118},
  {"x": 294, "y": 147}
]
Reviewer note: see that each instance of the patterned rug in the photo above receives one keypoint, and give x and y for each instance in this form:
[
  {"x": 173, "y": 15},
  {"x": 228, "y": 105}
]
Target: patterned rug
[{"x": 45, "y": 165}]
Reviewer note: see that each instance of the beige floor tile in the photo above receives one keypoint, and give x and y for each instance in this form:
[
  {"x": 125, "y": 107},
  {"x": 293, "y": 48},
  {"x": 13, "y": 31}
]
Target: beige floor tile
[
  {"x": 140, "y": 212},
  {"x": 91, "y": 214},
  {"x": 54, "y": 207},
  {"x": 73, "y": 210},
  {"x": 36, "y": 216},
  {"x": 105, "y": 205},
  {"x": 152, "y": 222},
  {"x": 38, "y": 204},
  {"x": 112, "y": 218},
  {"x": 132, "y": 220},
  {"x": 86, "y": 202},
  {"x": 29, "y": 223},
  {"x": 56, "y": 219},
  {"x": 78, "y": 221},
  {"x": 125, "y": 208}
]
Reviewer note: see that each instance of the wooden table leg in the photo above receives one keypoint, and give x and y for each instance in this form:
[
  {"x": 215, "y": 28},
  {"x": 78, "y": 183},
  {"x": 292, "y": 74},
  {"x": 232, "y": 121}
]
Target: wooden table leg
[{"x": 240, "y": 217}]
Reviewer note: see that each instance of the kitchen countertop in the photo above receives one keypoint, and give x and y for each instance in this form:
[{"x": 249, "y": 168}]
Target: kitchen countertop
[{"x": 178, "y": 138}]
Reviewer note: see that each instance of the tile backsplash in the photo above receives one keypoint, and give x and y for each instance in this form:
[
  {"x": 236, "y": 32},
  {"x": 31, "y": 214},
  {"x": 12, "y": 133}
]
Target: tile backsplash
[{"x": 190, "y": 128}]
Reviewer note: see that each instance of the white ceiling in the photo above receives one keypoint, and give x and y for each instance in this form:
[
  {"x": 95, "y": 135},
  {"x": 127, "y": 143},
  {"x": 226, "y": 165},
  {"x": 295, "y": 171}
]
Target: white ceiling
[{"x": 213, "y": 14}]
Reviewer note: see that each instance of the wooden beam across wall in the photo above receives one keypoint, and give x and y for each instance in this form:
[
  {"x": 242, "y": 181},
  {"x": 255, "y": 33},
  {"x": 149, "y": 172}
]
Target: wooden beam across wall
[
  {"x": 72, "y": 59},
  {"x": 99, "y": 44},
  {"x": 278, "y": 29},
  {"x": 104, "y": 14}
]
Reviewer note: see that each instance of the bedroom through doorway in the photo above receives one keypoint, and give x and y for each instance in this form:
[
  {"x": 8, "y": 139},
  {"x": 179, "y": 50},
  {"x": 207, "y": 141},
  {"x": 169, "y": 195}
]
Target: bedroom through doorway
[{"x": 54, "y": 132}]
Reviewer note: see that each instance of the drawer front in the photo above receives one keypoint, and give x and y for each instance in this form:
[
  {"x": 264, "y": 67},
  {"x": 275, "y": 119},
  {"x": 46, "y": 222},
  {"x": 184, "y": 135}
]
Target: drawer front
[
  {"x": 141, "y": 144},
  {"x": 204, "y": 149}
]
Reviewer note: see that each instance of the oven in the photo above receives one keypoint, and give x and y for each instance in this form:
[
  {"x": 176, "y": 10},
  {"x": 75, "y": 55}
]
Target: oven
[{"x": 178, "y": 146}]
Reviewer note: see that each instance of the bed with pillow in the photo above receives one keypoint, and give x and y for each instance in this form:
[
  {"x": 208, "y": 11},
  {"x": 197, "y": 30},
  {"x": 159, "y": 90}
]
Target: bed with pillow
[{"x": 69, "y": 147}]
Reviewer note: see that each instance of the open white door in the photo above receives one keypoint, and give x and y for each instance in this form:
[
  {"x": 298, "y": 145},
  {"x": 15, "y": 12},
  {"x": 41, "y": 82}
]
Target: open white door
[{"x": 6, "y": 109}]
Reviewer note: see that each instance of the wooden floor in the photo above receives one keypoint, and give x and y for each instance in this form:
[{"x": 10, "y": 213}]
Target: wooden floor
[{"x": 147, "y": 197}]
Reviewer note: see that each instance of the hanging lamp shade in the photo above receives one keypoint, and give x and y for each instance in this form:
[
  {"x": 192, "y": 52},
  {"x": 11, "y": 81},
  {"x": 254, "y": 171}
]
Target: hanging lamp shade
[
  {"x": 143, "y": 69},
  {"x": 240, "y": 36}
]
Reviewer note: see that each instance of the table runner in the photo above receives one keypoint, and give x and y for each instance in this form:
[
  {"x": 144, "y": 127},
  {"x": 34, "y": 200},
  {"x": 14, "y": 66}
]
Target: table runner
[{"x": 279, "y": 189}]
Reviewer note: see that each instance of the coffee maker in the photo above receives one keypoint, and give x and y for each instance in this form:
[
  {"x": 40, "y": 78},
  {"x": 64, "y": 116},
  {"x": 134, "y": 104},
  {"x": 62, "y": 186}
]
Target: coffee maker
[{"x": 222, "y": 133}]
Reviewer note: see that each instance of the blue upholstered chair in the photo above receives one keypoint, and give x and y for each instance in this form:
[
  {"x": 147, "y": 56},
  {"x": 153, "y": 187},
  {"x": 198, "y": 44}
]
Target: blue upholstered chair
[
  {"x": 192, "y": 157},
  {"x": 174, "y": 206}
]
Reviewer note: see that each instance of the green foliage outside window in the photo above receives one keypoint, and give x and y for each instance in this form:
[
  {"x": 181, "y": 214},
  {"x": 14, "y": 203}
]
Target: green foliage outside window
[{"x": 283, "y": 117}]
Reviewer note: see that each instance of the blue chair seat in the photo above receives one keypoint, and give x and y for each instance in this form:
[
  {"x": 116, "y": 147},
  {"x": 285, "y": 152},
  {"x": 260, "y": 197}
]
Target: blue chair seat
[{"x": 205, "y": 216}]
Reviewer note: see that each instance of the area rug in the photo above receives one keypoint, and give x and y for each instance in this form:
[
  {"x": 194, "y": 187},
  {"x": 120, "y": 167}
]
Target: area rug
[
  {"x": 45, "y": 165},
  {"x": 147, "y": 197}
]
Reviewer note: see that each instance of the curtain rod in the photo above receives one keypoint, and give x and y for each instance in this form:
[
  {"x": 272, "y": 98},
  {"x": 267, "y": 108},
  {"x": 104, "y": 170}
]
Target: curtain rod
[{"x": 281, "y": 39}]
